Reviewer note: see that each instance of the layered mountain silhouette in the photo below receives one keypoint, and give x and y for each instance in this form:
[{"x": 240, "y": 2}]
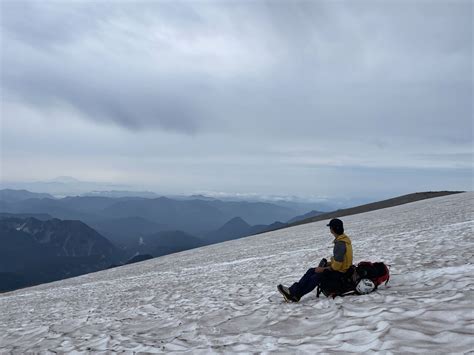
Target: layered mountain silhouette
[
  {"x": 9, "y": 195},
  {"x": 40, "y": 216},
  {"x": 305, "y": 216},
  {"x": 166, "y": 242},
  {"x": 233, "y": 229},
  {"x": 126, "y": 231},
  {"x": 238, "y": 228},
  {"x": 34, "y": 251},
  {"x": 193, "y": 216}
]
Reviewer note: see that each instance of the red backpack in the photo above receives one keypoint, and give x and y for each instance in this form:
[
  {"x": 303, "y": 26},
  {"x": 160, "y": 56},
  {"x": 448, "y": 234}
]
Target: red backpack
[{"x": 377, "y": 272}]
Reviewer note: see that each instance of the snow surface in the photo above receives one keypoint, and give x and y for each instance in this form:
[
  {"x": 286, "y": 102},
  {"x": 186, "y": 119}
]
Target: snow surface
[{"x": 222, "y": 298}]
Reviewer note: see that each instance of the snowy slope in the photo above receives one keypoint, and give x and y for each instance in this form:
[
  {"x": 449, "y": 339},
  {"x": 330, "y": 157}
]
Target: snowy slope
[{"x": 222, "y": 298}]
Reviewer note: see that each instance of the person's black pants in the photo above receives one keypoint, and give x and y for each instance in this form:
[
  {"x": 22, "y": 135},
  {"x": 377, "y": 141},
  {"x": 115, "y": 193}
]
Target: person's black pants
[{"x": 307, "y": 283}]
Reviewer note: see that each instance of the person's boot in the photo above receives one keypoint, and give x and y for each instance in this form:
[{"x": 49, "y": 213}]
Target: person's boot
[{"x": 285, "y": 291}]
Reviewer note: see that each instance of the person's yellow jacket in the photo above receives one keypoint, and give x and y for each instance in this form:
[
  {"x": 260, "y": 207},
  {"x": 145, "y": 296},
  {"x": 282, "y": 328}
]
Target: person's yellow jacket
[{"x": 342, "y": 254}]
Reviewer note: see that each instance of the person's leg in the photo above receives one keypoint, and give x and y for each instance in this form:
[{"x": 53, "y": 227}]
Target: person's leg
[{"x": 306, "y": 284}]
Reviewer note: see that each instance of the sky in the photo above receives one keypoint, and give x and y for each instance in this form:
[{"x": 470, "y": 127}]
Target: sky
[{"x": 301, "y": 98}]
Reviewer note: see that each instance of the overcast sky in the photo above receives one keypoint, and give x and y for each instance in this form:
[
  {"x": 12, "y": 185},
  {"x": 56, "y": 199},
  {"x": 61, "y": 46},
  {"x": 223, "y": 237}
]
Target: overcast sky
[{"x": 308, "y": 98}]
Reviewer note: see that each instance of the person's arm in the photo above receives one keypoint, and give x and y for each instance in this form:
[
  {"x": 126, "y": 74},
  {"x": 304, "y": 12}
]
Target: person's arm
[
  {"x": 323, "y": 266},
  {"x": 338, "y": 258},
  {"x": 322, "y": 269}
]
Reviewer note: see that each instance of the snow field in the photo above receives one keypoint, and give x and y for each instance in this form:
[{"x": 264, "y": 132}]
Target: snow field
[{"x": 222, "y": 298}]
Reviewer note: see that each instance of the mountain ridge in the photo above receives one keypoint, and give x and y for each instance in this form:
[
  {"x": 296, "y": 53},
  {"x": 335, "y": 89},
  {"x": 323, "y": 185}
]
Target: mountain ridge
[
  {"x": 391, "y": 202},
  {"x": 44, "y": 251},
  {"x": 12, "y": 195},
  {"x": 193, "y": 216}
]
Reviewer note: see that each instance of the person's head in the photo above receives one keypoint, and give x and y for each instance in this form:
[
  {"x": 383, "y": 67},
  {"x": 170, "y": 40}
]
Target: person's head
[{"x": 336, "y": 226}]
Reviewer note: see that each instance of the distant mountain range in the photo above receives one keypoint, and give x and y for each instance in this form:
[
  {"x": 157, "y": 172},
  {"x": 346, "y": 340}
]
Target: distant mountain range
[
  {"x": 305, "y": 216},
  {"x": 9, "y": 195},
  {"x": 44, "y": 239},
  {"x": 64, "y": 186},
  {"x": 126, "y": 231},
  {"x": 166, "y": 242},
  {"x": 121, "y": 193},
  {"x": 136, "y": 225},
  {"x": 34, "y": 251},
  {"x": 125, "y": 220},
  {"x": 238, "y": 228},
  {"x": 68, "y": 186},
  {"x": 40, "y": 216},
  {"x": 193, "y": 216},
  {"x": 233, "y": 229}
]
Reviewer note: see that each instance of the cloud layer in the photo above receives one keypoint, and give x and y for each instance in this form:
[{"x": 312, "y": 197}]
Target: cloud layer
[{"x": 312, "y": 84}]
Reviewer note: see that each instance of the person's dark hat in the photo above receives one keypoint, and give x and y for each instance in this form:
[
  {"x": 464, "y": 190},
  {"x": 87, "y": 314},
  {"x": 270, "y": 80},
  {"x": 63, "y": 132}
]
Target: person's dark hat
[{"x": 335, "y": 224}]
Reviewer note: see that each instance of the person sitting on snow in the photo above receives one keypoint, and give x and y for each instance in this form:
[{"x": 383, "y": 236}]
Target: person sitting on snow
[{"x": 340, "y": 262}]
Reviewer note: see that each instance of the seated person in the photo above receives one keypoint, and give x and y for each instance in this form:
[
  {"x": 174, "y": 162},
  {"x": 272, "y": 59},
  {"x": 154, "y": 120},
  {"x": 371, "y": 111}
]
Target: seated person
[{"x": 341, "y": 261}]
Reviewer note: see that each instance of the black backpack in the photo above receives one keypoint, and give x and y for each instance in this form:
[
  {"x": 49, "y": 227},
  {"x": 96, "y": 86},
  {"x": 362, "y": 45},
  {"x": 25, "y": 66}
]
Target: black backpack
[{"x": 334, "y": 283}]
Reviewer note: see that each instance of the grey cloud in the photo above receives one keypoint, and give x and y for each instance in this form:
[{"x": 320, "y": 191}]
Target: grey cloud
[
  {"x": 299, "y": 68},
  {"x": 49, "y": 22},
  {"x": 129, "y": 97}
]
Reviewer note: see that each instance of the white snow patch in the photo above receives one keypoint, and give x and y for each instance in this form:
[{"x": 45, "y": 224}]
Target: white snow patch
[
  {"x": 22, "y": 227},
  {"x": 223, "y": 299}
]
